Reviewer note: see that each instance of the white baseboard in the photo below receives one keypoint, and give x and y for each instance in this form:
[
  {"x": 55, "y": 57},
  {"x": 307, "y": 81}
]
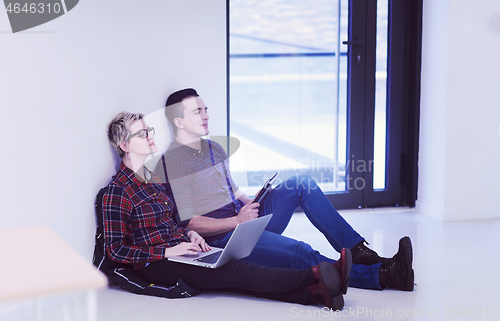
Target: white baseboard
[{"x": 457, "y": 215}]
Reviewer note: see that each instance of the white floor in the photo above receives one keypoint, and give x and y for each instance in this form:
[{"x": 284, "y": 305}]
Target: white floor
[{"x": 456, "y": 270}]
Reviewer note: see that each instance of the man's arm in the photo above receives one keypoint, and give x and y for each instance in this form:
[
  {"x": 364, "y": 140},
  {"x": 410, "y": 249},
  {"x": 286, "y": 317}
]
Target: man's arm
[
  {"x": 208, "y": 226},
  {"x": 177, "y": 178}
]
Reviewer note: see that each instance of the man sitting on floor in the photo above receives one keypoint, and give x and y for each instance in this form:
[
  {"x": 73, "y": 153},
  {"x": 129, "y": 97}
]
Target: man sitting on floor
[{"x": 210, "y": 203}]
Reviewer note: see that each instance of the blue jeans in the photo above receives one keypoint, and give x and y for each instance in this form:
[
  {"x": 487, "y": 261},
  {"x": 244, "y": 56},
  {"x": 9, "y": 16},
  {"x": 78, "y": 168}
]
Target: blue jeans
[{"x": 276, "y": 250}]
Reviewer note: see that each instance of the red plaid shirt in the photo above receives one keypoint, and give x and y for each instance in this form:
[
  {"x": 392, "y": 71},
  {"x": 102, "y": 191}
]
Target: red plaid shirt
[
  {"x": 198, "y": 187},
  {"x": 138, "y": 224}
]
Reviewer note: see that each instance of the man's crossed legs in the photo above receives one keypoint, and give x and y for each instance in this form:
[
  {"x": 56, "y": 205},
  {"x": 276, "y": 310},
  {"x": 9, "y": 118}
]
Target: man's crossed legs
[{"x": 368, "y": 271}]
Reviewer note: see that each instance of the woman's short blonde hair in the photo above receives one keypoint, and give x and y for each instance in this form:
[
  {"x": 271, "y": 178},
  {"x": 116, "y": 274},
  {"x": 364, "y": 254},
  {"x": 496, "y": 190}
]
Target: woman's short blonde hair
[{"x": 119, "y": 129}]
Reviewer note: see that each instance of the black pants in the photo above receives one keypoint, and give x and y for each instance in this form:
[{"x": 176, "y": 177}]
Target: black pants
[{"x": 273, "y": 283}]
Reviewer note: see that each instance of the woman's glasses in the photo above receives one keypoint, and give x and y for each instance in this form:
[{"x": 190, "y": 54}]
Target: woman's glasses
[{"x": 143, "y": 133}]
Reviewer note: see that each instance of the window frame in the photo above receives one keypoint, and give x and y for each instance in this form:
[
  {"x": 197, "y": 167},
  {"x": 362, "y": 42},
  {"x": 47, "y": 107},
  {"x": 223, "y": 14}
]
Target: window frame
[{"x": 403, "y": 101}]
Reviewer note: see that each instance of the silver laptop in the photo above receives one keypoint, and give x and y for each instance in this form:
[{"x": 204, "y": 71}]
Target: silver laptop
[{"x": 240, "y": 245}]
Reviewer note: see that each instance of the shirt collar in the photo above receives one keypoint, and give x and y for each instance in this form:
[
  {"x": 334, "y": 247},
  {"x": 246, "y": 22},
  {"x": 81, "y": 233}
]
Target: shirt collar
[
  {"x": 189, "y": 150},
  {"x": 131, "y": 175}
]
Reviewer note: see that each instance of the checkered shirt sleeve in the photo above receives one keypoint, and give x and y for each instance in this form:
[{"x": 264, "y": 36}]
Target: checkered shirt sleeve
[{"x": 138, "y": 224}]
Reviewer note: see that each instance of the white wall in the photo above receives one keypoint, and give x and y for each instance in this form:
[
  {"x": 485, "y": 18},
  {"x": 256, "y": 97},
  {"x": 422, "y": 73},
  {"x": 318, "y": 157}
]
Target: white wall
[
  {"x": 62, "y": 82},
  {"x": 460, "y": 110}
]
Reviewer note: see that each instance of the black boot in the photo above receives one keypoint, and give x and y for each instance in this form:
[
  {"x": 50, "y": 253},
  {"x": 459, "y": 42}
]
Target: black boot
[
  {"x": 365, "y": 256},
  {"x": 398, "y": 273}
]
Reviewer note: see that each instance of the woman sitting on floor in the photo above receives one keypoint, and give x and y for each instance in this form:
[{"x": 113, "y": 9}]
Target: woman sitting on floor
[{"x": 139, "y": 229}]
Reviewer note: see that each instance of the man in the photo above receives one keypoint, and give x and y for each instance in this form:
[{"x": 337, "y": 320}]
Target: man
[{"x": 210, "y": 203}]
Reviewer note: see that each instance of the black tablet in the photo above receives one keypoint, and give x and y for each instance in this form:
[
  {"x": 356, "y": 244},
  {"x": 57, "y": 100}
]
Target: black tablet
[{"x": 265, "y": 189}]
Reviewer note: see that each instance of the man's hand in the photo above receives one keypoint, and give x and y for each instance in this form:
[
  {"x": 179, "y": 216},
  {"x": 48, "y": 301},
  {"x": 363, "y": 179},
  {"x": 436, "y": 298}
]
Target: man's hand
[
  {"x": 248, "y": 212},
  {"x": 245, "y": 199},
  {"x": 195, "y": 238}
]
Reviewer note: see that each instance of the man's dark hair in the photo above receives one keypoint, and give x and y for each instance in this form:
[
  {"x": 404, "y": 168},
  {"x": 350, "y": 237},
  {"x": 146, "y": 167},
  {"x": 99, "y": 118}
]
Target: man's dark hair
[{"x": 173, "y": 108}]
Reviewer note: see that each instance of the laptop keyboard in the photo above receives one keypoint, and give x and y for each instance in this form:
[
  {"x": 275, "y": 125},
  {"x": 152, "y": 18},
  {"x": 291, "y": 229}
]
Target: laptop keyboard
[{"x": 211, "y": 258}]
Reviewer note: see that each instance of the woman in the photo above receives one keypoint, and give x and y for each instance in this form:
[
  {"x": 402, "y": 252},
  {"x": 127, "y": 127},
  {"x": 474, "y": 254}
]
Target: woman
[{"x": 139, "y": 229}]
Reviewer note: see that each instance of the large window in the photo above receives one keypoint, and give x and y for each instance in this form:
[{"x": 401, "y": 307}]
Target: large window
[
  {"x": 308, "y": 88},
  {"x": 288, "y": 76}
]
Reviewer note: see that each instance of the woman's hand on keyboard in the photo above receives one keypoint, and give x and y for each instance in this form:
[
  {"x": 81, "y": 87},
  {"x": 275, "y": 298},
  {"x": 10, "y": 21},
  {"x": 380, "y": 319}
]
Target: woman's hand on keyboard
[
  {"x": 184, "y": 248},
  {"x": 198, "y": 240}
]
